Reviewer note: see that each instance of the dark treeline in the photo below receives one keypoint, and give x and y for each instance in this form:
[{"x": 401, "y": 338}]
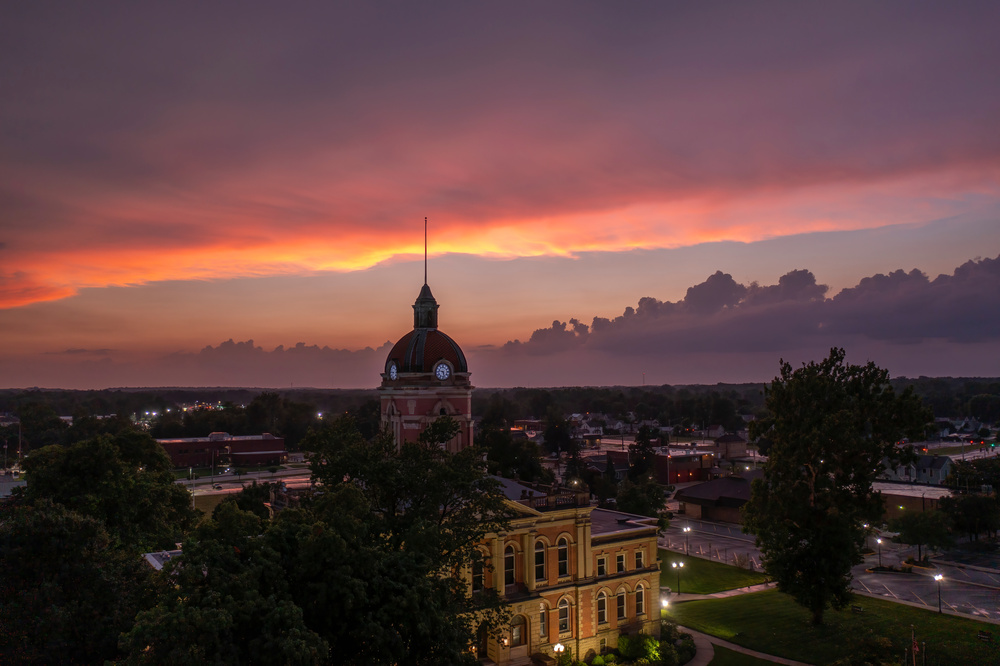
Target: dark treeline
[{"x": 290, "y": 413}]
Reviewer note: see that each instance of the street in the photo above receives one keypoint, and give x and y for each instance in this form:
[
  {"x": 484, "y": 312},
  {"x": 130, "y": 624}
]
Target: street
[{"x": 967, "y": 590}]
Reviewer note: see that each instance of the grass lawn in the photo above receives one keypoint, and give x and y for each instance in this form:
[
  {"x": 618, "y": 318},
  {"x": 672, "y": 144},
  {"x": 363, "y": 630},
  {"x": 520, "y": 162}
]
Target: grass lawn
[
  {"x": 726, "y": 657},
  {"x": 207, "y": 503},
  {"x": 704, "y": 576},
  {"x": 773, "y": 623}
]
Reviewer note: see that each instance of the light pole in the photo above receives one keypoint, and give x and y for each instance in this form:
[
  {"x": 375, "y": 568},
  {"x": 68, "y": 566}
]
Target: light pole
[
  {"x": 879, "y": 542},
  {"x": 559, "y": 648},
  {"x": 866, "y": 535},
  {"x": 938, "y": 578},
  {"x": 686, "y": 530},
  {"x": 678, "y": 566}
]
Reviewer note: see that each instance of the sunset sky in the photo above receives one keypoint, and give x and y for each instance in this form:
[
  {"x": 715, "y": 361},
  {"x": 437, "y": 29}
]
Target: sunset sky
[{"x": 212, "y": 194}]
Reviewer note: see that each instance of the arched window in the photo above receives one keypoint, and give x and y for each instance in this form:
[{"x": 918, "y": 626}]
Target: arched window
[
  {"x": 563, "y": 555},
  {"x": 539, "y": 561},
  {"x": 563, "y": 616},
  {"x": 509, "y": 559},
  {"x": 518, "y": 631},
  {"x": 640, "y": 601},
  {"x": 602, "y": 607},
  {"x": 621, "y": 605}
]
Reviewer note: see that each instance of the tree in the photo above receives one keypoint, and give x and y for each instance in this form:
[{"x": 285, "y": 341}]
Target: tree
[
  {"x": 644, "y": 497},
  {"x": 228, "y": 601},
  {"x": 66, "y": 593},
  {"x": 973, "y": 514},
  {"x": 831, "y": 425},
  {"x": 125, "y": 481},
  {"x": 923, "y": 528},
  {"x": 641, "y": 454},
  {"x": 509, "y": 457},
  {"x": 410, "y": 518}
]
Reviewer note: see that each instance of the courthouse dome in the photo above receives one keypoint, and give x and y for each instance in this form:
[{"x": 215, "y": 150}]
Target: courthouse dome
[
  {"x": 422, "y": 349},
  {"x": 425, "y": 346}
]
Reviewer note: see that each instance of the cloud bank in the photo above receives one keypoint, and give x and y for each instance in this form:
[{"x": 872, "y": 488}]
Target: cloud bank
[{"x": 721, "y": 331}]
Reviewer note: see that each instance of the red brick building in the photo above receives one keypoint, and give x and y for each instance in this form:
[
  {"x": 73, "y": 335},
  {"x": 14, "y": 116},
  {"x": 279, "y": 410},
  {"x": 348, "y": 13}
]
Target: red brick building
[
  {"x": 223, "y": 448},
  {"x": 426, "y": 376}
]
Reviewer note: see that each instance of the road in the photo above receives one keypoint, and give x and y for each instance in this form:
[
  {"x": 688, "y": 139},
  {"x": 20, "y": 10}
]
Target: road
[
  {"x": 964, "y": 589},
  {"x": 293, "y": 478}
]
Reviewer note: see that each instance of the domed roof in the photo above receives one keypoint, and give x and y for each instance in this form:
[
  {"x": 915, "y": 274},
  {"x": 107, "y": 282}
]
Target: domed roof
[{"x": 422, "y": 348}]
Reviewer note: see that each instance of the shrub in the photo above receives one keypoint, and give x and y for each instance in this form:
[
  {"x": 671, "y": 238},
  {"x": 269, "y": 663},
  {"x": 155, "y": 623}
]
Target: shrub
[
  {"x": 668, "y": 654},
  {"x": 686, "y": 649},
  {"x": 597, "y": 661}
]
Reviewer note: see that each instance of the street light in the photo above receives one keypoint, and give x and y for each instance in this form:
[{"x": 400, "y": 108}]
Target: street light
[
  {"x": 879, "y": 542},
  {"x": 678, "y": 566},
  {"x": 686, "y": 530},
  {"x": 558, "y": 648},
  {"x": 938, "y": 578}
]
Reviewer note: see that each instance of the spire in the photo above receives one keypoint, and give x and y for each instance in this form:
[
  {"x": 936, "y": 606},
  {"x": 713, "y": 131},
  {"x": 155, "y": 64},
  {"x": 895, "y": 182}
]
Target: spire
[{"x": 425, "y": 308}]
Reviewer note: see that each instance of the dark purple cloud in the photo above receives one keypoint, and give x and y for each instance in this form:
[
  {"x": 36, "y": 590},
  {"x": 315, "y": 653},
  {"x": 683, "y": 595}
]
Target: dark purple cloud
[{"x": 723, "y": 316}]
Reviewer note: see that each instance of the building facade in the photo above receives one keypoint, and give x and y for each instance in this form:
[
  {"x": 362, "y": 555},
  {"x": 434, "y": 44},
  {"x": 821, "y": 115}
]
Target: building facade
[
  {"x": 572, "y": 574},
  {"x": 222, "y": 448}
]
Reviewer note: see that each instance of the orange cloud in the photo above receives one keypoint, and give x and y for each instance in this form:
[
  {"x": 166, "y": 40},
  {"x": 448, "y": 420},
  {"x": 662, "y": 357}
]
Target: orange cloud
[{"x": 119, "y": 241}]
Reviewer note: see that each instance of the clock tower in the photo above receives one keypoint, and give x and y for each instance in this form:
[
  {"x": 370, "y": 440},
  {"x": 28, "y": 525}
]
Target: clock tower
[{"x": 426, "y": 377}]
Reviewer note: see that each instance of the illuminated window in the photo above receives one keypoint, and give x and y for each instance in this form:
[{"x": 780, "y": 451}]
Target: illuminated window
[
  {"x": 563, "y": 553},
  {"x": 517, "y": 631},
  {"x": 539, "y": 561}
]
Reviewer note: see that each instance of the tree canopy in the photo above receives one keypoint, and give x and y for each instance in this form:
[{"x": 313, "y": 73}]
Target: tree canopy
[
  {"x": 369, "y": 570},
  {"x": 831, "y": 424},
  {"x": 66, "y": 592},
  {"x": 123, "y": 480}
]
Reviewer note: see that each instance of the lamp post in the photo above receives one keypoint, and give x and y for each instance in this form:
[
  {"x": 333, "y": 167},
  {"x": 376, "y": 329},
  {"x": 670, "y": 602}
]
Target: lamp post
[
  {"x": 677, "y": 566},
  {"x": 866, "y": 535},
  {"x": 558, "y": 648},
  {"x": 879, "y": 542},
  {"x": 686, "y": 530},
  {"x": 938, "y": 578}
]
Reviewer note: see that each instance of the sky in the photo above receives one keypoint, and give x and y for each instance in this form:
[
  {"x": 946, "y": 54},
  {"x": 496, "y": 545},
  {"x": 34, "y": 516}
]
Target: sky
[{"x": 233, "y": 194}]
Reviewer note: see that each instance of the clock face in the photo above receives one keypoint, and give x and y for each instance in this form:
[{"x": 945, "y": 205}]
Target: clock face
[
  {"x": 393, "y": 373},
  {"x": 442, "y": 371}
]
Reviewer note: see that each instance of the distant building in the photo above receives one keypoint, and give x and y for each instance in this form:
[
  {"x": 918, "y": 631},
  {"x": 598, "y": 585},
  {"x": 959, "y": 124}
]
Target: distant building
[
  {"x": 718, "y": 499},
  {"x": 221, "y": 447},
  {"x": 932, "y": 470},
  {"x": 728, "y": 447}
]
